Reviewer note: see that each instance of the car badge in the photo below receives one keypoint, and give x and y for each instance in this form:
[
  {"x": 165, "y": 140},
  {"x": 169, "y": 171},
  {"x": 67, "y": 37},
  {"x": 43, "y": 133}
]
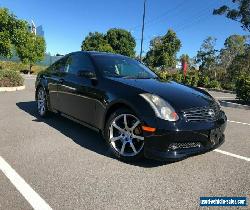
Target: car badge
[{"x": 211, "y": 112}]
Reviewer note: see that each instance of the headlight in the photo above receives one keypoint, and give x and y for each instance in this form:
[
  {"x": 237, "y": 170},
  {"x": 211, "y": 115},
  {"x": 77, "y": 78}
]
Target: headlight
[{"x": 161, "y": 108}]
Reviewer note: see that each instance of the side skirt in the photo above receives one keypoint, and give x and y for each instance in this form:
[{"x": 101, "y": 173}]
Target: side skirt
[{"x": 80, "y": 122}]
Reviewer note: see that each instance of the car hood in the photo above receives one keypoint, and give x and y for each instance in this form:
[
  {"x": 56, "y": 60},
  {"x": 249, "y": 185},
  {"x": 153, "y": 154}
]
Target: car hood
[{"x": 178, "y": 95}]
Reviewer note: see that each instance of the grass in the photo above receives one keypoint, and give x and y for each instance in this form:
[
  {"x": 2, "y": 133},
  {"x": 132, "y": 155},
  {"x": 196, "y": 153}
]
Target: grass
[{"x": 20, "y": 67}]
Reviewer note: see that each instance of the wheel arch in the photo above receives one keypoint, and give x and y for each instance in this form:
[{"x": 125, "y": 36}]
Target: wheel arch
[{"x": 115, "y": 106}]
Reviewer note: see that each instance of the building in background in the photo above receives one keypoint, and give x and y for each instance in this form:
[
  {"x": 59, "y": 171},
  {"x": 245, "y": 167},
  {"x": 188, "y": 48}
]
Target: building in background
[
  {"x": 32, "y": 27},
  {"x": 36, "y": 30},
  {"x": 40, "y": 31}
]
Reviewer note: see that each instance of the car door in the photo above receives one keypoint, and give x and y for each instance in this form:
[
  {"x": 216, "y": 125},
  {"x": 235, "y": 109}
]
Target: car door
[
  {"x": 54, "y": 75},
  {"x": 76, "y": 91}
]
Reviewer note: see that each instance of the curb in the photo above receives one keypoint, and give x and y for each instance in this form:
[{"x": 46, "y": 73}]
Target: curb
[
  {"x": 9, "y": 89},
  {"x": 222, "y": 91},
  {"x": 234, "y": 105},
  {"x": 216, "y": 90}
]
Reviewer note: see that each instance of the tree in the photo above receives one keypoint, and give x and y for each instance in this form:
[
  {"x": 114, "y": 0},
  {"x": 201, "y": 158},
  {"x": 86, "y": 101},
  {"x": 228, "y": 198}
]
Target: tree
[
  {"x": 11, "y": 31},
  {"x": 32, "y": 49},
  {"x": 241, "y": 14},
  {"x": 152, "y": 57},
  {"x": 240, "y": 66},
  {"x": 185, "y": 58},
  {"x": 234, "y": 45},
  {"x": 121, "y": 41},
  {"x": 207, "y": 58},
  {"x": 96, "y": 42},
  {"x": 185, "y": 63},
  {"x": 163, "y": 50}
]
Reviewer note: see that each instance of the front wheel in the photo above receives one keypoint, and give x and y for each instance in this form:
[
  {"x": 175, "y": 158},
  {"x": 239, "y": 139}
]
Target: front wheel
[
  {"x": 124, "y": 135},
  {"x": 42, "y": 104}
]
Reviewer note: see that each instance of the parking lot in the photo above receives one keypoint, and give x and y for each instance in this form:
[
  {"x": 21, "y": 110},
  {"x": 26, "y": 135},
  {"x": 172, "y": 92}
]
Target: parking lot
[{"x": 66, "y": 166}]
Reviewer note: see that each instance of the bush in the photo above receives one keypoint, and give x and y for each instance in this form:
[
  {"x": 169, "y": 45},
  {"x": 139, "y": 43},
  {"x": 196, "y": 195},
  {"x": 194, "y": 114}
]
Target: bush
[
  {"x": 178, "y": 77},
  {"x": 192, "y": 78},
  {"x": 10, "y": 78},
  {"x": 18, "y": 66},
  {"x": 243, "y": 88},
  {"x": 213, "y": 84},
  {"x": 164, "y": 75},
  {"x": 228, "y": 86},
  {"x": 203, "y": 81}
]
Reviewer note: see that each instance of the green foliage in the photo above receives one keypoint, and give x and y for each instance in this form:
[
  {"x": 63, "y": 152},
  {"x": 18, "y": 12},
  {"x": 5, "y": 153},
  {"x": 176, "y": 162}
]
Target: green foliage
[
  {"x": 96, "y": 42},
  {"x": 20, "y": 67},
  {"x": 241, "y": 14},
  {"x": 163, "y": 50},
  {"x": 192, "y": 78},
  {"x": 121, "y": 41},
  {"x": 164, "y": 75},
  {"x": 116, "y": 40},
  {"x": 243, "y": 88},
  {"x": 203, "y": 81},
  {"x": 11, "y": 32},
  {"x": 17, "y": 66},
  {"x": 10, "y": 78},
  {"x": 177, "y": 77},
  {"x": 14, "y": 36},
  {"x": 234, "y": 45},
  {"x": 239, "y": 66},
  {"x": 207, "y": 58},
  {"x": 184, "y": 57},
  {"x": 32, "y": 49},
  {"x": 213, "y": 84},
  {"x": 228, "y": 86},
  {"x": 5, "y": 44}
]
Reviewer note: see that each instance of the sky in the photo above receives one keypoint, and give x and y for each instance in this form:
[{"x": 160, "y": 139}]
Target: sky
[{"x": 66, "y": 23}]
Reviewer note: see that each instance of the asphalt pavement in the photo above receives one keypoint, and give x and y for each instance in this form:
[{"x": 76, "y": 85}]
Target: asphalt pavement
[{"x": 68, "y": 167}]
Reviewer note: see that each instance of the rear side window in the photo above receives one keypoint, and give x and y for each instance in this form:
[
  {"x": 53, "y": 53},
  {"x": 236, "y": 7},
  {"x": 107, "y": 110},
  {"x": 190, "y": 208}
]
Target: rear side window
[{"x": 79, "y": 62}]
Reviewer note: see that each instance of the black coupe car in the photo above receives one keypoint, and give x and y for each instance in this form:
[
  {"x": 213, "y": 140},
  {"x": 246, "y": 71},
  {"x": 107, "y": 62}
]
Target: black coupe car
[{"x": 137, "y": 114}]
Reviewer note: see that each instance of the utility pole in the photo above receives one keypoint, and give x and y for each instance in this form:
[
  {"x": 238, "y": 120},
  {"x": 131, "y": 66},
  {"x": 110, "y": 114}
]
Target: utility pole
[{"x": 142, "y": 30}]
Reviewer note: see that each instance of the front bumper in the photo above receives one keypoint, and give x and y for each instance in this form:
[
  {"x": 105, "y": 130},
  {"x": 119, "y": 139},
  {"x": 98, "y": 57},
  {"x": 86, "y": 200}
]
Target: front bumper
[{"x": 188, "y": 138}]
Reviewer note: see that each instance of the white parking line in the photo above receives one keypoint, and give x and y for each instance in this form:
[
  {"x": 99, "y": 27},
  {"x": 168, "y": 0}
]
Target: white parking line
[
  {"x": 28, "y": 193},
  {"x": 231, "y": 121},
  {"x": 232, "y": 155}
]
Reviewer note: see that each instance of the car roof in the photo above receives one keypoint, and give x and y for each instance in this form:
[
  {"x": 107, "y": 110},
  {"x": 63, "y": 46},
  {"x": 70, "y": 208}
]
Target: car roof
[{"x": 98, "y": 53}]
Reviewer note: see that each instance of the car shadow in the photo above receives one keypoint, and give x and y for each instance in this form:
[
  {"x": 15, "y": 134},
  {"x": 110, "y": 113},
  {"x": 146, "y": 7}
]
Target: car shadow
[{"x": 81, "y": 135}]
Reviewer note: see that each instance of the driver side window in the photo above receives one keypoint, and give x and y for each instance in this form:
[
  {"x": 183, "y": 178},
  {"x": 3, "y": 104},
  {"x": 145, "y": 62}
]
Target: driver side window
[{"x": 79, "y": 62}]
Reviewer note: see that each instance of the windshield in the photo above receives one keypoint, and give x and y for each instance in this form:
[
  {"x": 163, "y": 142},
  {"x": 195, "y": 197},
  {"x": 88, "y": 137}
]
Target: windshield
[{"x": 121, "y": 66}]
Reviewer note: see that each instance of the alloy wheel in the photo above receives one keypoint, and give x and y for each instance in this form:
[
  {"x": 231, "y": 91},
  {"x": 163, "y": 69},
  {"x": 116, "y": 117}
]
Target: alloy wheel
[
  {"x": 125, "y": 135},
  {"x": 41, "y": 102}
]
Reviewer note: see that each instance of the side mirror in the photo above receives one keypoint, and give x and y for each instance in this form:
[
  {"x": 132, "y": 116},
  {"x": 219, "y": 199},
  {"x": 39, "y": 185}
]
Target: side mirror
[{"x": 87, "y": 74}]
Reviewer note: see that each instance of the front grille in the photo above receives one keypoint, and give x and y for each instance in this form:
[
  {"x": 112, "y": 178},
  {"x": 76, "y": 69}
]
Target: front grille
[
  {"x": 184, "y": 145},
  {"x": 209, "y": 113}
]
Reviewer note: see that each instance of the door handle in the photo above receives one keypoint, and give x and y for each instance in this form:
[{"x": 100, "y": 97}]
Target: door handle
[{"x": 61, "y": 81}]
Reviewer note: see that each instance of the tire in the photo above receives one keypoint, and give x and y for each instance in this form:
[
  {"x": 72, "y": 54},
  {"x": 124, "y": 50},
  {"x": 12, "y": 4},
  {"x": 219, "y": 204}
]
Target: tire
[
  {"x": 42, "y": 102},
  {"x": 124, "y": 136}
]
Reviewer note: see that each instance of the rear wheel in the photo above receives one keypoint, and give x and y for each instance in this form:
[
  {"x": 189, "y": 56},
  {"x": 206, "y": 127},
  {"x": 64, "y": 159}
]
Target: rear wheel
[
  {"x": 42, "y": 103},
  {"x": 124, "y": 135}
]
